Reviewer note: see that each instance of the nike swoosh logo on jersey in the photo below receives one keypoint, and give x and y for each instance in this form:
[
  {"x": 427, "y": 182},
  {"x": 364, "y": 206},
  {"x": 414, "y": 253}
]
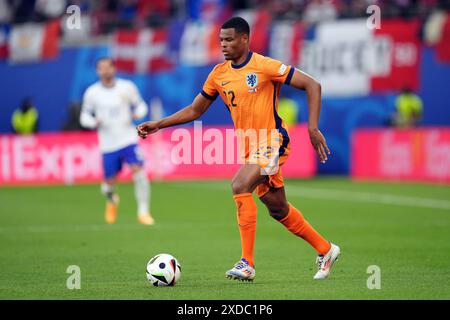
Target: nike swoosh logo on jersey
[{"x": 225, "y": 83}]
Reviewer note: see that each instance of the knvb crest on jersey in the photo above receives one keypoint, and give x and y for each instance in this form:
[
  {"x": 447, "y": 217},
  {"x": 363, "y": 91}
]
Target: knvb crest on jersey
[{"x": 252, "y": 81}]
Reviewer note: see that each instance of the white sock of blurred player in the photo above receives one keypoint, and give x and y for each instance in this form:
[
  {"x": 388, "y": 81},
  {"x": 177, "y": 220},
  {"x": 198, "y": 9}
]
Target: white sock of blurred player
[
  {"x": 109, "y": 191},
  {"x": 142, "y": 193}
]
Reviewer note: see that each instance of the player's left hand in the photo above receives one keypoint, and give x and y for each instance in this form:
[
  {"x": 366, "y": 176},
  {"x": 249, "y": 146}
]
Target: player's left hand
[{"x": 319, "y": 143}]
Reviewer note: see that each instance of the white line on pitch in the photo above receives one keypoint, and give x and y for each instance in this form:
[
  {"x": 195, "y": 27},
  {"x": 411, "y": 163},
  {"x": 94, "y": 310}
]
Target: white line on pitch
[
  {"x": 66, "y": 228},
  {"x": 37, "y": 229},
  {"x": 348, "y": 196},
  {"x": 368, "y": 197}
]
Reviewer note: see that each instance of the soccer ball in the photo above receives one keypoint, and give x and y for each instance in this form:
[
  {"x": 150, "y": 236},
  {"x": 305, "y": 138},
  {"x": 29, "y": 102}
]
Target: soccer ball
[{"x": 163, "y": 270}]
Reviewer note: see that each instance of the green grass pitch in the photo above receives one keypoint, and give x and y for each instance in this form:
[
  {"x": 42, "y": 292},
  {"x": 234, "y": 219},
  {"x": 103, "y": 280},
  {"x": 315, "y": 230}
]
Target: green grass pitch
[{"x": 402, "y": 228}]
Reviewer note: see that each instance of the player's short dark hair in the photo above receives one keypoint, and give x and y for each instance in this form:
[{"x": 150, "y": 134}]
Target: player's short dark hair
[
  {"x": 111, "y": 60},
  {"x": 239, "y": 24}
]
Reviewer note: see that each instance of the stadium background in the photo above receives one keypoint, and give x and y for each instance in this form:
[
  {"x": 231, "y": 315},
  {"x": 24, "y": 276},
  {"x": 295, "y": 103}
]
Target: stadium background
[
  {"x": 414, "y": 47},
  {"x": 188, "y": 62}
]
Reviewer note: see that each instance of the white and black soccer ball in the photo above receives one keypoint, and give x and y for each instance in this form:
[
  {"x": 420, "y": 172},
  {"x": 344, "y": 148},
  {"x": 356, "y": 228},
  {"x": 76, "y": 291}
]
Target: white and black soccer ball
[{"x": 163, "y": 270}]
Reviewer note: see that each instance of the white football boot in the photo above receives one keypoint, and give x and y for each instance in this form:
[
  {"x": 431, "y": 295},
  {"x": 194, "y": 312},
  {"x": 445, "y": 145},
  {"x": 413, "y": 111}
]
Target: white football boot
[
  {"x": 325, "y": 262},
  {"x": 241, "y": 271}
]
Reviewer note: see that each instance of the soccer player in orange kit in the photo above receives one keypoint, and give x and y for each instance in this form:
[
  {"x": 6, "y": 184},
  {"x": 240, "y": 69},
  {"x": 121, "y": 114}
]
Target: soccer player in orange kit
[{"x": 249, "y": 84}]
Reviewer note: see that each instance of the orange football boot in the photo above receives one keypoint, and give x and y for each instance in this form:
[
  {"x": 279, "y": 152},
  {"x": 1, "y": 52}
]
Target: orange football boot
[
  {"x": 111, "y": 210},
  {"x": 146, "y": 219}
]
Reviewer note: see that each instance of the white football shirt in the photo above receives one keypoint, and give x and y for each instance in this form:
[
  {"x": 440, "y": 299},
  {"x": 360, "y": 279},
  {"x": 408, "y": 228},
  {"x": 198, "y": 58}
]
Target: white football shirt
[{"x": 111, "y": 111}]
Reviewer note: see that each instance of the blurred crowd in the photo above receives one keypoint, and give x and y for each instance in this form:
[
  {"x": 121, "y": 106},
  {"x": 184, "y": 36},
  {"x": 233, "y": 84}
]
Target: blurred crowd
[{"x": 107, "y": 15}]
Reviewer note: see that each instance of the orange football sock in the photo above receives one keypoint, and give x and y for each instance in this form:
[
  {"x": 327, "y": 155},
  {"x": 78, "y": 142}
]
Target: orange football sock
[
  {"x": 246, "y": 216},
  {"x": 296, "y": 224}
]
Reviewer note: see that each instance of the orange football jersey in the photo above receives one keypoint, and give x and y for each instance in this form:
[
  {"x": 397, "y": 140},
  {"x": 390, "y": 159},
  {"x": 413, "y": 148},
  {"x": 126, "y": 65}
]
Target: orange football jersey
[{"x": 250, "y": 91}]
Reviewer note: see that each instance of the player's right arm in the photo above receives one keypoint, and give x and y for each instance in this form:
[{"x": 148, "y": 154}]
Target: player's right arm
[{"x": 185, "y": 115}]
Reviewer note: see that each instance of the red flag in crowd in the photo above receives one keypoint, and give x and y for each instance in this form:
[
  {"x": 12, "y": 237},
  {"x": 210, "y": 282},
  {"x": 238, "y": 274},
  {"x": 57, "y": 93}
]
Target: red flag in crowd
[{"x": 141, "y": 51}]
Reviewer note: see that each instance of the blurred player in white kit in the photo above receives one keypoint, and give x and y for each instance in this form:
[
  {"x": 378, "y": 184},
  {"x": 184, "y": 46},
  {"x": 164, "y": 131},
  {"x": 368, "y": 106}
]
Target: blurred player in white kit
[{"x": 110, "y": 106}]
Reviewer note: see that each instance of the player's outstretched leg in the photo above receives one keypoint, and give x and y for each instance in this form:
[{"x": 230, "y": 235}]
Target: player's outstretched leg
[
  {"x": 112, "y": 201},
  {"x": 142, "y": 194},
  {"x": 293, "y": 220},
  {"x": 327, "y": 252}
]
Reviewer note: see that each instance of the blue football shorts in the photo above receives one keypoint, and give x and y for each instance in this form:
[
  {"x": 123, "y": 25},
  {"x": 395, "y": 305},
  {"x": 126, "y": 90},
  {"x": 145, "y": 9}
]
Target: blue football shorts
[{"x": 113, "y": 161}]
